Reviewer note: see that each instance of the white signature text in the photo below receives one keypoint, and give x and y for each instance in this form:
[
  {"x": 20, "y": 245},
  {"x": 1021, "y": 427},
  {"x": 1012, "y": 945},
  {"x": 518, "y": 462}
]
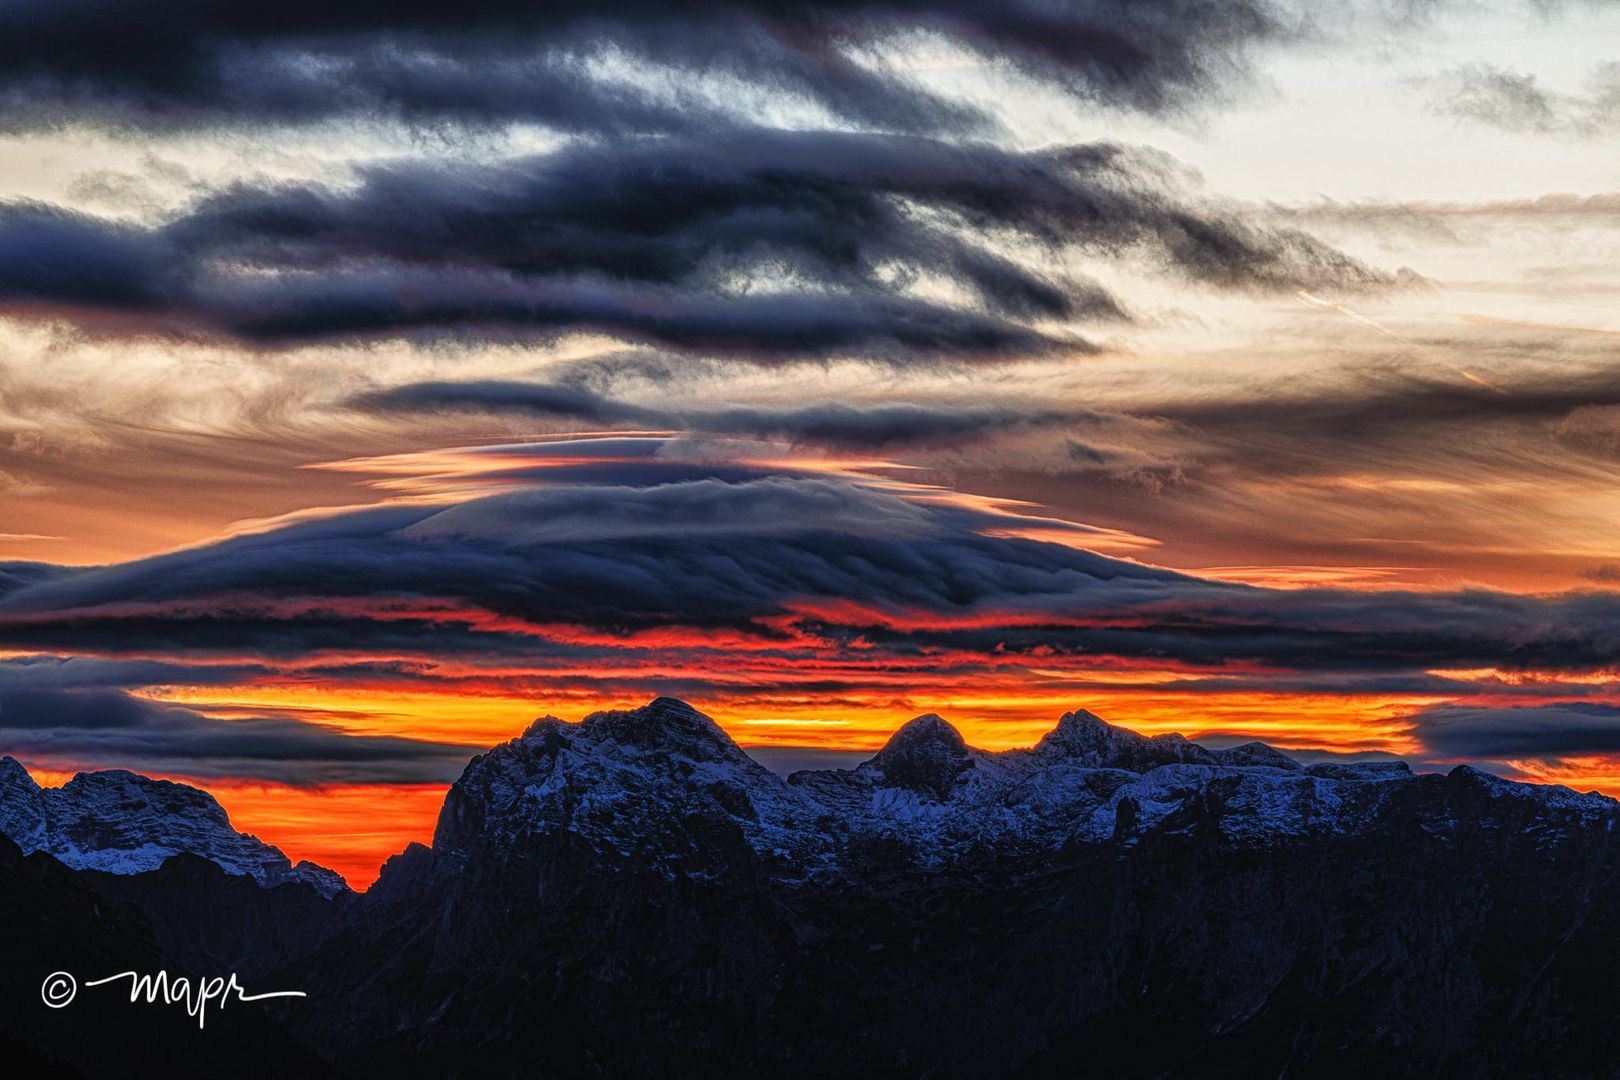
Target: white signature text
[{"x": 194, "y": 995}]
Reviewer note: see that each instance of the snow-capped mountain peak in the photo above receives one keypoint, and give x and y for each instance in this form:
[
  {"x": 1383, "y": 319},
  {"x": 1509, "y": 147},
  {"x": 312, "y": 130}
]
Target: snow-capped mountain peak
[
  {"x": 125, "y": 823},
  {"x": 1084, "y": 739},
  {"x": 666, "y": 725}
]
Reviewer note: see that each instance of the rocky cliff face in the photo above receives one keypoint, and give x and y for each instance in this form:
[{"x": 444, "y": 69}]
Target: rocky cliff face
[
  {"x": 635, "y": 895},
  {"x": 123, "y": 823}
]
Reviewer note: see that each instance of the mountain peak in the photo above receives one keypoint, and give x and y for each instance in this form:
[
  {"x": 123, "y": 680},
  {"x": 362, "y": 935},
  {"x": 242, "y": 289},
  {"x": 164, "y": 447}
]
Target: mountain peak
[
  {"x": 1469, "y": 777},
  {"x": 153, "y": 796},
  {"x": 1083, "y": 738},
  {"x": 541, "y": 724},
  {"x": 12, "y": 772},
  {"x": 1256, "y": 753},
  {"x": 925, "y": 754},
  {"x": 125, "y": 823},
  {"x": 22, "y": 810},
  {"x": 923, "y": 730},
  {"x": 667, "y": 725},
  {"x": 323, "y": 880}
]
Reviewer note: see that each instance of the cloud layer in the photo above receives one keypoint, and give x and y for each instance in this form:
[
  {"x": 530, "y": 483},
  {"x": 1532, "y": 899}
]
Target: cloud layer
[
  {"x": 761, "y": 560},
  {"x": 764, "y": 245},
  {"x": 183, "y": 64},
  {"x": 75, "y": 714}
]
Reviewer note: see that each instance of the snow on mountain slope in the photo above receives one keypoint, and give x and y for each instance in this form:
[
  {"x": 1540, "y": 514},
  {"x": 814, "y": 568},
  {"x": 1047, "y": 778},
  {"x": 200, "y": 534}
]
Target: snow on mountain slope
[
  {"x": 615, "y": 777},
  {"x": 124, "y": 823}
]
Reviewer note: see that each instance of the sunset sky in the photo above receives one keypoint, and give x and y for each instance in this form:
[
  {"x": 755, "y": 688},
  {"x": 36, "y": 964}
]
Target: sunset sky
[{"x": 374, "y": 380}]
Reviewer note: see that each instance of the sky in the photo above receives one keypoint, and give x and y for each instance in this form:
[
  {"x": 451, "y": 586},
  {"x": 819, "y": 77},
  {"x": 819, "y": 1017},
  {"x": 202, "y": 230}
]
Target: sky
[{"x": 377, "y": 378}]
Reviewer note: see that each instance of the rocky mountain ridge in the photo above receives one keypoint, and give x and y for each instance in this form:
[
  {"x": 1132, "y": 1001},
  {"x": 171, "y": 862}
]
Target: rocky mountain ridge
[
  {"x": 926, "y": 789},
  {"x": 124, "y": 823}
]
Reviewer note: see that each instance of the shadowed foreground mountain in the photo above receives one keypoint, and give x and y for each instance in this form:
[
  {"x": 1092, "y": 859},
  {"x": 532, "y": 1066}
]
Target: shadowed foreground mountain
[{"x": 635, "y": 895}]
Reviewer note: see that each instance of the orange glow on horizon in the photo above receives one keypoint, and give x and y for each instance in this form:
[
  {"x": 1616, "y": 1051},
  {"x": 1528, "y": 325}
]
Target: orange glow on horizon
[{"x": 350, "y": 829}]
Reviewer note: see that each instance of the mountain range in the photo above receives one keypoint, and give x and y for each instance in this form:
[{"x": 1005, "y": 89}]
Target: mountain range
[{"x": 635, "y": 895}]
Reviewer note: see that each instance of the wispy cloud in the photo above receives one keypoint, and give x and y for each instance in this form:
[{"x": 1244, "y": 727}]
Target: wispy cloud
[{"x": 1519, "y": 102}]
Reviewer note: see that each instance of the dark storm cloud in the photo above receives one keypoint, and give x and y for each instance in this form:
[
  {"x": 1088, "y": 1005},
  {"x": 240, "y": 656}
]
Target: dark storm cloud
[
  {"x": 786, "y": 760},
  {"x": 92, "y": 727},
  {"x": 1360, "y": 683},
  {"x": 831, "y": 207},
  {"x": 1518, "y": 732},
  {"x": 826, "y": 423},
  {"x": 58, "y": 264},
  {"x": 770, "y": 558},
  {"x": 648, "y": 240},
  {"x": 701, "y": 552},
  {"x": 175, "y": 64},
  {"x": 1321, "y": 630}
]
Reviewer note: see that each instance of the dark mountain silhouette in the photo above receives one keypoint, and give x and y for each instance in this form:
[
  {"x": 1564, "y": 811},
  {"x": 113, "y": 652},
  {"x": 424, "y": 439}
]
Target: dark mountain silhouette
[
  {"x": 58, "y": 920},
  {"x": 634, "y": 895}
]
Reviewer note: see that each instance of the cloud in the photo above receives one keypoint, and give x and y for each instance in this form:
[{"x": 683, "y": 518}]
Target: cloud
[
  {"x": 1519, "y": 732},
  {"x": 766, "y": 506},
  {"x": 571, "y": 66},
  {"x": 87, "y": 728},
  {"x": 1410, "y": 439},
  {"x": 1520, "y": 103},
  {"x": 877, "y": 427},
  {"x": 53, "y": 673},
  {"x": 59, "y": 264},
  {"x": 1394, "y": 407},
  {"x": 760, "y": 244},
  {"x": 1381, "y": 414},
  {"x": 826, "y": 423},
  {"x": 817, "y": 205},
  {"x": 782, "y": 561}
]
